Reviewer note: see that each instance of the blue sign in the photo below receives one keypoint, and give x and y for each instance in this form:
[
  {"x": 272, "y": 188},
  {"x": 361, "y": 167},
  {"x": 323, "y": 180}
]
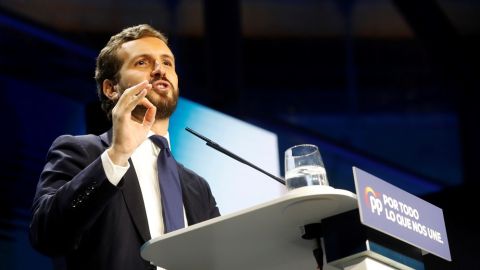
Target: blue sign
[{"x": 399, "y": 214}]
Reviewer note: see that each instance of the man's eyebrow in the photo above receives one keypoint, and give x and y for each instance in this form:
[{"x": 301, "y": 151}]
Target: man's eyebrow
[
  {"x": 168, "y": 56},
  {"x": 135, "y": 57},
  {"x": 147, "y": 55}
]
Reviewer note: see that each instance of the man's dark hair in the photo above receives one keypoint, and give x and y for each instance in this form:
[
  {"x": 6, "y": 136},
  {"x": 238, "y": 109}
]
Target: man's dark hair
[{"x": 108, "y": 63}]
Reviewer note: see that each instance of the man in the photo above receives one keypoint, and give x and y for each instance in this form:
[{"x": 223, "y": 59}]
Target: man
[{"x": 98, "y": 198}]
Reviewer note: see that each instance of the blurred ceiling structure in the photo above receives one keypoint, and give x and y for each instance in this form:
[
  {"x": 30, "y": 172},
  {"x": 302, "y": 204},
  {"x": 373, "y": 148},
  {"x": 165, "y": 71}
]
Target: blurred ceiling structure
[{"x": 260, "y": 18}]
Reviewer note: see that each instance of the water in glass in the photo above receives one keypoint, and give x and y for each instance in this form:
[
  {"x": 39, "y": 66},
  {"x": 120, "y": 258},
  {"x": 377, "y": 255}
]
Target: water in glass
[{"x": 306, "y": 176}]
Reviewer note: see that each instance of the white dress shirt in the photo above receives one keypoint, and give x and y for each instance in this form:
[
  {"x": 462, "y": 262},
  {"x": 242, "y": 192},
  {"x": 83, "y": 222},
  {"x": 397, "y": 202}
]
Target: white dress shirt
[{"x": 144, "y": 159}]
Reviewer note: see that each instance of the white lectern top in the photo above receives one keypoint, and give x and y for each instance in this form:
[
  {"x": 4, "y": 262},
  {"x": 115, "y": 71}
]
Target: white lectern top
[{"x": 267, "y": 236}]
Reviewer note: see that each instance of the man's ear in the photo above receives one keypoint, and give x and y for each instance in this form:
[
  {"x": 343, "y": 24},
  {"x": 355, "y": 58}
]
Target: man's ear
[{"x": 110, "y": 89}]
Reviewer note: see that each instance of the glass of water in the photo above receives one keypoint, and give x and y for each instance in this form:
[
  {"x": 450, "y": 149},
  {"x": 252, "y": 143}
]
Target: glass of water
[{"x": 304, "y": 167}]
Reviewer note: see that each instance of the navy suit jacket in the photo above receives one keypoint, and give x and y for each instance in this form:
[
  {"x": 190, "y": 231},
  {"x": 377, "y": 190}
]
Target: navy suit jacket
[{"x": 80, "y": 216}]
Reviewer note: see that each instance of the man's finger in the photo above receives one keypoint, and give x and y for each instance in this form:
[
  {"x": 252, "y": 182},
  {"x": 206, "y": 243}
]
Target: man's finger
[
  {"x": 149, "y": 117},
  {"x": 136, "y": 89},
  {"x": 130, "y": 102},
  {"x": 131, "y": 91}
]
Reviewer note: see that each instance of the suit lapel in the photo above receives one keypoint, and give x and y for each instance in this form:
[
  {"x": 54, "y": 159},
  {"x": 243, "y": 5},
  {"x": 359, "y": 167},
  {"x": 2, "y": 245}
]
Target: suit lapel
[
  {"x": 134, "y": 201},
  {"x": 132, "y": 195}
]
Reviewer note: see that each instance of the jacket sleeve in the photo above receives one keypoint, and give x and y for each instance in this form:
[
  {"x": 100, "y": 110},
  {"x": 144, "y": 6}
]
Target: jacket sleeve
[
  {"x": 198, "y": 199},
  {"x": 213, "y": 210},
  {"x": 71, "y": 193}
]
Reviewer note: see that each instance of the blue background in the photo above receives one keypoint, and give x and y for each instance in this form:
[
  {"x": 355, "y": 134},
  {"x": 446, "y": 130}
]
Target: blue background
[{"x": 387, "y": 86}]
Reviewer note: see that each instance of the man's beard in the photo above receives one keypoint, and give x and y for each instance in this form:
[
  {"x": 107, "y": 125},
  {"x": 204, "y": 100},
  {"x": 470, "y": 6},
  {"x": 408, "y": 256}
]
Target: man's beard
[{"x": 164, "y": 104}]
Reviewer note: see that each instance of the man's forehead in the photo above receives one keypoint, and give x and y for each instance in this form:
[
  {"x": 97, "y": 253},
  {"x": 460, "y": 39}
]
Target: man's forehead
[{"x": 145, "y": 45}]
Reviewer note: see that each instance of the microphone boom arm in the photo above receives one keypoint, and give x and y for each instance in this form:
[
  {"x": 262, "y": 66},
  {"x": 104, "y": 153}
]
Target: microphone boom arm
[{"x": 219, "y": 148}]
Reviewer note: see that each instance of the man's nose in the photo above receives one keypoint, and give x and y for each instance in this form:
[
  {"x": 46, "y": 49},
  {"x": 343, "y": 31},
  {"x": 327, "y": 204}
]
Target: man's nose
[{"x": 158, "y": 70}]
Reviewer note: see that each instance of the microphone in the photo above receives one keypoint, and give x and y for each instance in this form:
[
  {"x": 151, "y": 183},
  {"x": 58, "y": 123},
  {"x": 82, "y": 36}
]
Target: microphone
[{"x": 217, "y": 147}]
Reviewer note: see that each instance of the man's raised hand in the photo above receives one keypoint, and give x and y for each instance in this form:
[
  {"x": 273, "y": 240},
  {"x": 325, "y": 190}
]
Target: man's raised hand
[{"x": 129, "y": 132}]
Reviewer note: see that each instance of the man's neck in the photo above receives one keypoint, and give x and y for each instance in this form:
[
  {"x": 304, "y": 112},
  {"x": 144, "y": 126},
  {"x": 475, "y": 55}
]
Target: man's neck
[{"x": 160, "y": 127}]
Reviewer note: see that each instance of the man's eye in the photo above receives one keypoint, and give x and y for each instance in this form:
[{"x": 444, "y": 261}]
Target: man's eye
[
  {"x": 141, "y": 63},
  {"x": 167, "y": 63}
]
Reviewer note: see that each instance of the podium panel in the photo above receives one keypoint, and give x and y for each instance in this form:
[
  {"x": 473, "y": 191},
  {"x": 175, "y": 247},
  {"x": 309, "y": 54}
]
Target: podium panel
[
  {"x": 267, "y": 236},
  {"x": 367, "y": 264},
  {"x": 347, "y": 241}
]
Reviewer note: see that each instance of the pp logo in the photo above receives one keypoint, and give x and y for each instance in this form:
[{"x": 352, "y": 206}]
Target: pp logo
[{"x": 372, "y": 200}]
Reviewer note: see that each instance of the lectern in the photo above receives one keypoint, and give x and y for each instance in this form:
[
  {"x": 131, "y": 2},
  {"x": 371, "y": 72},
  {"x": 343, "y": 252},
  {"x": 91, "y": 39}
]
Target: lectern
[
  {"x": 271, "y": 236},
  {"x": 267, "y": 236}
]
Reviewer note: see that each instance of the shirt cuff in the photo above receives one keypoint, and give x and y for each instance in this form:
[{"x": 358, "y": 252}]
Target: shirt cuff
[{"x": 114, "y": 172}]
